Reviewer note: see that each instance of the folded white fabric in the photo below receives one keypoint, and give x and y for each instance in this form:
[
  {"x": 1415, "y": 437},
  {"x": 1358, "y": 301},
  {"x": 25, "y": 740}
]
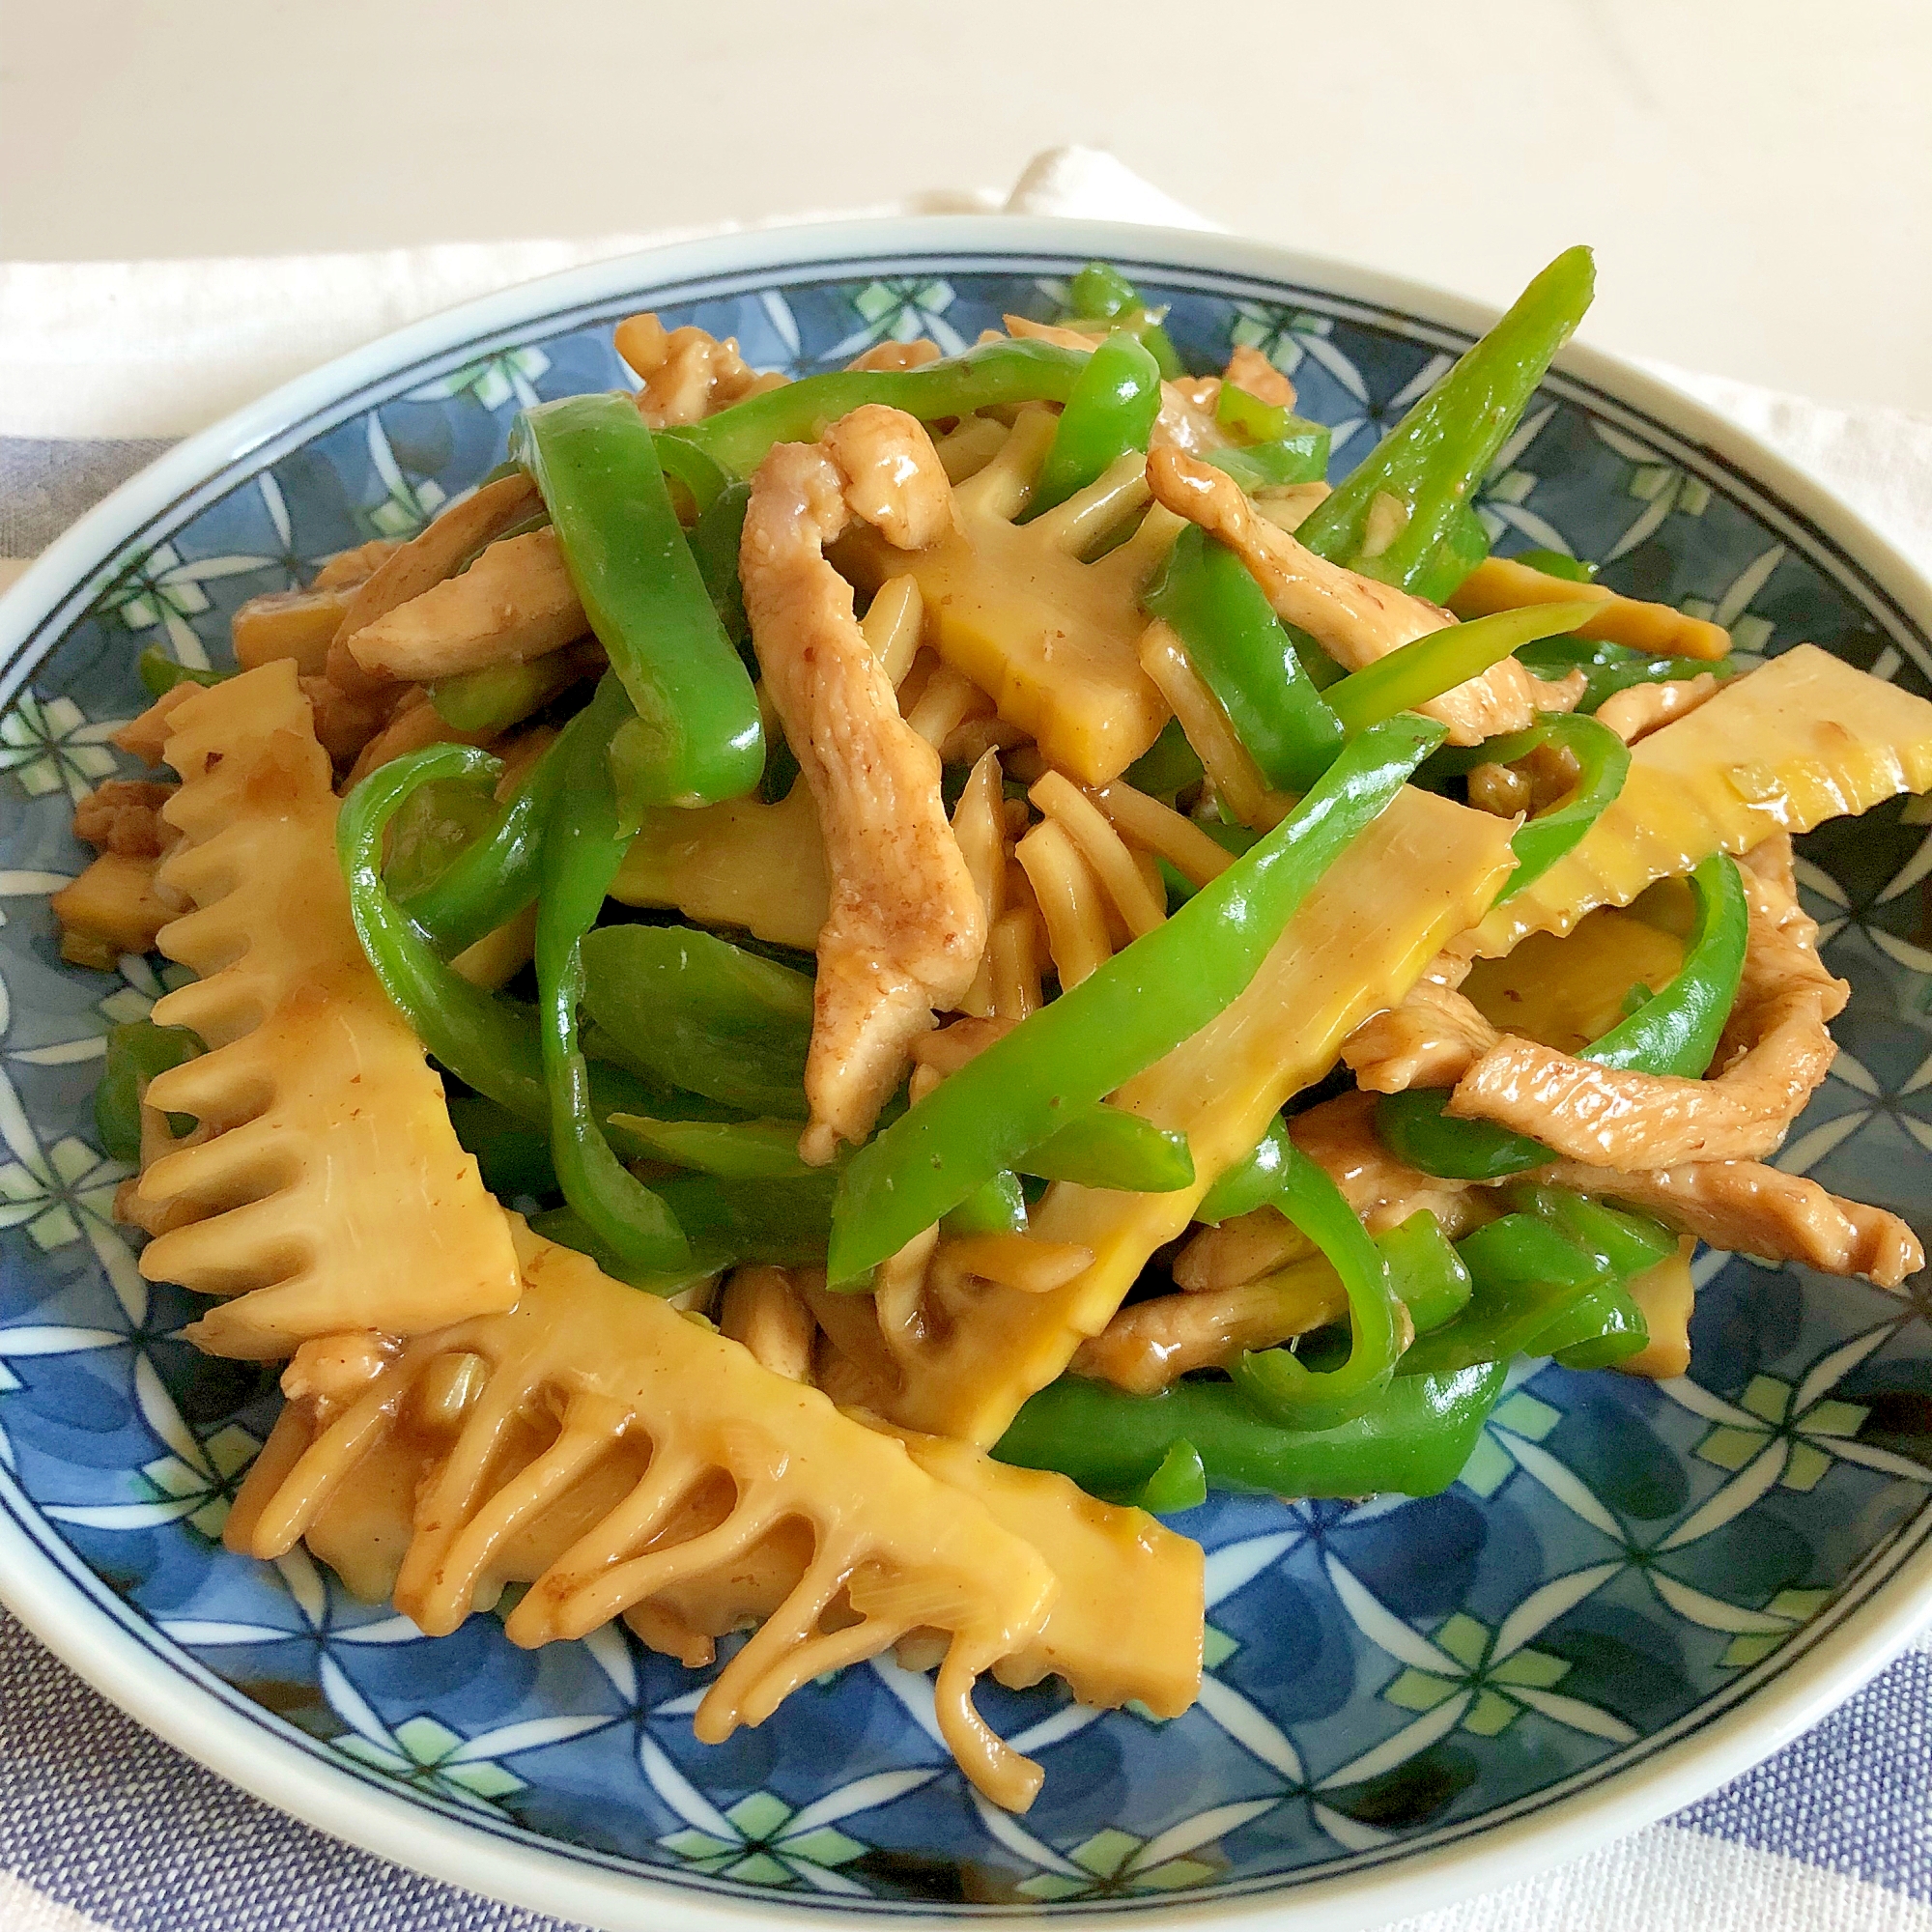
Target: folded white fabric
[{"x": 100, "y": 365}]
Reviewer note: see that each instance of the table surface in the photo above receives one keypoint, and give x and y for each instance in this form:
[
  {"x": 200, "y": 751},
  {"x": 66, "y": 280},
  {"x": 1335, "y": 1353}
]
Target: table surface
[{"x": 1759, "y": 185}]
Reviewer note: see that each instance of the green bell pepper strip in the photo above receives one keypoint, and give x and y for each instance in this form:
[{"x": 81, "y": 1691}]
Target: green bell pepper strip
[
  {"x": 489, "y": 1043},
  {"x": 1273, "y": 1380},
  {"x": 513, "y": 1154},
  {"x": 1440, "y": 661},
  {"x": 1300, "y": 457},
  {"x": 784, "y": 1222},
  {"x": 1254, "y": 1181},
  {"x": 714, "y": 541},
  {"x": 1106, "y": 1147},
  {"x": 1608, "y": 669},
  {"x": 1413, "y": 1440},
  {"x": 697, "y": 737},
  {"x": 1602, "y": 1329},
  {"x": 1109, "y": 411},
  {"x": 1429, "y": 1275},
  {"x": 490, "y": 701},
  {"x": 1674, "y": 1033},
  {"x": 1434, "y": 460},
  {"x": 703, "y": 478},
  {"x": 730, "y": 1150},
  {"x": 568, "y": 1228},
  {"x": 996, "y": 1207},
  {"x": 160, "y": 673},
  {"x": 1527, "y": 1276},
  {"x": 1170, "y": 764},
  {"x": 1461, "y": 550},
  {"x": 1630, "y": 1242},
  {"x": 1100, "y": 293},
  {"x": 136, "y": 1051},
  {"x": 583, "y": 847},
  {"x": 435, "y": 826},
  {"x": 987, "y": 376},
  {"x": 693, "y": 1011},
  {"x": 1236, "y": 643},
  {"x": 1143, "y": 1002},
  {"x": 1555, "y": 564},
  {"x": 1181, "y": 1482},
  {"x": 1603, "y": 760},
  {"x": 494, "y": 877},
  {"x": 1416, "y": 1129}
]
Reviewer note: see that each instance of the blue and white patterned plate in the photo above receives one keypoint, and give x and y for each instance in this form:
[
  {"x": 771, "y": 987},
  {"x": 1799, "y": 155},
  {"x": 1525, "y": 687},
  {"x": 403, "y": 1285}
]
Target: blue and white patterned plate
[{"x": 1633, "y": 1592}]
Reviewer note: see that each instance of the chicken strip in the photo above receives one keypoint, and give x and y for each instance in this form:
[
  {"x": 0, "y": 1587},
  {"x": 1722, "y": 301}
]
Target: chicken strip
[
  {"x": 1636, "y": 711},
  {"x": 687, "y": 375},
  {"x": 1774, "y": 1053},
  {"x": 1431, "y": 1039},
  {"x": 1354, "y": 618},
  {"x": 906, "y": 926},
  {"x": 515, "y": 603},
  {"x": 1749, "y": 1209}
]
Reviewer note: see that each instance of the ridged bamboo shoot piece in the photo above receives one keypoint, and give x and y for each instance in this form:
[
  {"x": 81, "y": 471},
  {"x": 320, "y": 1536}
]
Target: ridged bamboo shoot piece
[
  {"x": 1054, "y": 641},
  {"x": 760, "y": 866},
  {"x": 1803, "y": 739},
  {"x": 1420, "y": 875}
]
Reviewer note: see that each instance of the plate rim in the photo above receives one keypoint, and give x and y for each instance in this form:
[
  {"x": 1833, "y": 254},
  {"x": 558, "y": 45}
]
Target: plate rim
[{"x": 251, "y": 1754}]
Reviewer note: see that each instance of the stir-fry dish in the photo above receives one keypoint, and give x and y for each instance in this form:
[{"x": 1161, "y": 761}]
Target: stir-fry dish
[{"x": 829, "y": 996}]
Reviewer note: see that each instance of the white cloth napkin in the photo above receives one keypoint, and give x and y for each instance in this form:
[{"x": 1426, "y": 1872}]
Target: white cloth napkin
[{"x": 101, "y": 363}]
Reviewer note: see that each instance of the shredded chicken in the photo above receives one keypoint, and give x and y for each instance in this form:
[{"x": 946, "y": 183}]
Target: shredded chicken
[
  {"x": 1749, "y": 1209},
  {"x": 344, "y": 724},
  {"x": 1353, "y": 618},
  {"x": 1431, "y": 1039},
  {"x": 1250, "y": 370},
  {"x": 347, "y": 568},
  {"x": 426, "y": 559},
  {"x": 124, "y": 815},
  {"x": 763, "y": 1310},
  {"x": 687, "y": 375},
  {"x": 146, "y": 737},
  {"x": 1239, "y": 1250},
  {"x": 906, "y": 927},
  {"x": 913, "y": 355},
  {"x": 1340, "y": 1136},
  {"x": 1150, "y": 1344},
  {"x": 1774, "y": 1053},
  {"x": 1637, "y": 712},
  {"x": 515, "y": 603}
]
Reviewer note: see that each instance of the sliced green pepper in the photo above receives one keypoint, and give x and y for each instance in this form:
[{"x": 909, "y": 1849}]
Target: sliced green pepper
[
  {"x": 1434, "y": 460},
  {"x": 584, "y": 848},
  {"x": 714, "y": 541},
  {"x": 1461, "y": 550},
  {"x": 1430, "y": 1276},
  {"x": 435, "y": 825},
  {"x": 1413, "y": 1440},
  {"x": 1603, "y": 762},
  {"x": 1181, "y": 1482},
  {"x": 494, "y": 877},
  {"x": 784, "y": 1222},
  {"x": 987, "y": 377},
  {"x": 1299, "y": 458},
  {"x": 1146, "y": 1000},
  {"x": 1170, "y": 764},
  {"x": 1608, "y": 669},
  {"x": 693, "y": 1011},
  {"x": 160, "y": 673},
  {"x": 730, "y": 1150},
  {"x": 1253, "y": 1181},
  {"x": 1100, "y": 293},
  {"x": 136, "y": 1051},
  {"x": 487, "y": 701},
  {"x": 1674, "y": 1033},
  {"x": 998, "y": 1206},
  {"x": 568, "y": 1228},
  {"x": 1236, "y": 643},
  {"x": 1440, "y": 659},
  {"x": 1275, "y": 1380},
  {"x": 1106, "y": 1147},
  {"x": 489, "y": 1043},
  {"x": 1110, "y": 411},
  {"x": 696, "y": 736},
  {"x": 513, "y": 1154}
]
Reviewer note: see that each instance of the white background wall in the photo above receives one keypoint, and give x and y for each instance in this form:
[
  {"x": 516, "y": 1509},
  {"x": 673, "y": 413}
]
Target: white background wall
[{"x": 1756, "y": 175}]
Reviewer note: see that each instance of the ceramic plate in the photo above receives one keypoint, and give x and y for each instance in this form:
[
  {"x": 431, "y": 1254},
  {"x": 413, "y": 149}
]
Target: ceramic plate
[{"x": 1631, "y": 1593}]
